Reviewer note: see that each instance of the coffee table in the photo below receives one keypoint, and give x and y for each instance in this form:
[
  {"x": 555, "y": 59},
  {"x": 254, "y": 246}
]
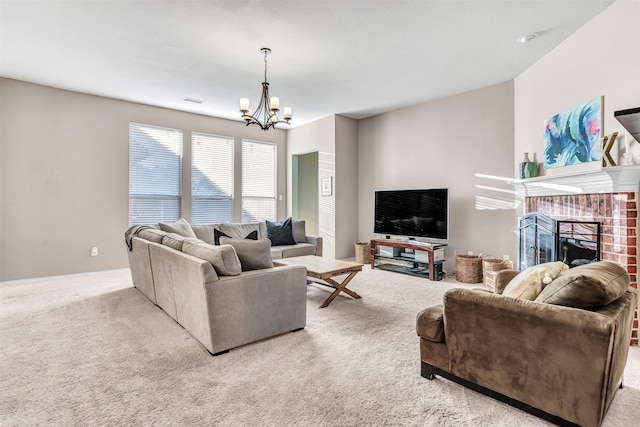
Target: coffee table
[{"x": 326, "y": 269}]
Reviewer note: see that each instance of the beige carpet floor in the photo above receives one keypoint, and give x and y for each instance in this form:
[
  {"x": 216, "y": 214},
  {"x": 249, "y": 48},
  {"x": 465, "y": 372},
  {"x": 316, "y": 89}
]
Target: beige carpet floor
[{"x": 91, "y": 350}]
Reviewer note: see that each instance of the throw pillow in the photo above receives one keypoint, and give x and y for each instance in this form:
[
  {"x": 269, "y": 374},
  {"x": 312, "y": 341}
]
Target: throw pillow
[
  {"x": 587, "y": 286},
  {"x": 529, "y": 283},
  {"x": 217, "y": 234},
  {"x": 204, "y": 232},
  {"x": 174, "y": 241},
  {"x": 298, "y": 229},
  {"x": 152, "y": 234},
  {"x": 280, "y": 233},
  {"x": 181, "y": 227},
  {"x": 239, "y": 231},
  {"x": 253, "y": 255},
  {"x": 223, "y": 258}
]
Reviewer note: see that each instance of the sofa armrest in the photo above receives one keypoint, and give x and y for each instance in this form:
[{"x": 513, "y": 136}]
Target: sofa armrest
[
  {"x": 317, "y": 242},
  {"x": 256, "y": 304},
  {"x": 551, "y": 357},
  {"x": 503, "y": 278}
]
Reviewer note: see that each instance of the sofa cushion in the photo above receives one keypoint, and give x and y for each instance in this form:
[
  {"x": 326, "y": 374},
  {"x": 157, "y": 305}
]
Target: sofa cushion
[
  {"x": 587, "y": 286},
  {"x": 217, "y": 234},
  {"x": 529, "y": 283},
  {"x": 237, "y": 230},
  {"x": 288, "y": 251},
  {"x": 430, "y": 323},
  {"x": 181, "y": 227},
  {"x": 152, "y": 234},
  {"x": 174, "y": 241},
  {"x": 223, "y": 258},
  {"x": 298, "y": 230},
  {"x": 253, "y": 254},
  {"x": 280, "y": 233},
  {"x": 204, "y": 232}
]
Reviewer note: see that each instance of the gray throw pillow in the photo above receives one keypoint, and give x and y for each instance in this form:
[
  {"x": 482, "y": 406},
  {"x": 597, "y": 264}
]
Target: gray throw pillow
[
  {"x": 298, "y": 229},
  {"x": 204, "y": 232},
  {"x": 587, "y": 286},
  {"x": 253, "y": 254},
  {"x": 174, "y": 241},
  {"x": 181, "y": 227},
  {"x": 217, "y": 234},
  {"x": 280, "y": 233},
  {"x": 237, "y": 230},
  {"x": 223, "y": 258},
  {"x": 152, "y": 234}
]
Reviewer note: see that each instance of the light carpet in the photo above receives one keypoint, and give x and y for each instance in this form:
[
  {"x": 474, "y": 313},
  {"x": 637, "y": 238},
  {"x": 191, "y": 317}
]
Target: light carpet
[{"x": 91, "y": 350}]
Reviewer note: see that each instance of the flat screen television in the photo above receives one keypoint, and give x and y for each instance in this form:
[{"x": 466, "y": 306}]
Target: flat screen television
[{"x": 412, "y": 213}]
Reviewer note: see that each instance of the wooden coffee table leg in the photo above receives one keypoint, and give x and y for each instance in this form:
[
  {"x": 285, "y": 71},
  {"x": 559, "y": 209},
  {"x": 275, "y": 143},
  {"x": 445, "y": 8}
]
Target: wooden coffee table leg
[{"x": 340, "y": 287}]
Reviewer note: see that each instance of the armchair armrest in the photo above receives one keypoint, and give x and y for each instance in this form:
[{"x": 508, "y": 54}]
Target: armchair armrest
[
  {"x": 503, "y": 278},
  {"x": 317, "y": 242}
]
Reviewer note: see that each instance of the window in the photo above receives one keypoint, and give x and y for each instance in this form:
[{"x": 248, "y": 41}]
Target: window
[
  {"x": 258, "y": 181},
  {"x": 154, "y": 174},
  {"x": 211, "y": 178}
]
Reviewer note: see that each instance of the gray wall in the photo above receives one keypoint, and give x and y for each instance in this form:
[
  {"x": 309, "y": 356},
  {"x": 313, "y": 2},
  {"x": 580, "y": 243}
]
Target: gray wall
[
  {"x": 447, "y": 143},
  {"x": 335, "y": 140},
  {"x": 64, "y": 176},
  {"x": 600, "y": 59}
]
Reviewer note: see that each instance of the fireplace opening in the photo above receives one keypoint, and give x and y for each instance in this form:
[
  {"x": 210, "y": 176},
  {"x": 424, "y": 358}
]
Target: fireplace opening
[{"x": 544, "y": 239}]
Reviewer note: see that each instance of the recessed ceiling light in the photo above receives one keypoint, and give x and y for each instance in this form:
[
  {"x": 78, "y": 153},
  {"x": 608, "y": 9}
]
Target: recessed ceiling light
[
  {"x": 195, "y": 101},
  {"x": 526, "y": 38}
]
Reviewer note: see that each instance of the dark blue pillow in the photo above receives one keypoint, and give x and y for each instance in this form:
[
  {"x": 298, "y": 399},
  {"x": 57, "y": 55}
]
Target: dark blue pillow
[
  {"x": 217, "y": 234},
  {"x": 280, "y": 233}
]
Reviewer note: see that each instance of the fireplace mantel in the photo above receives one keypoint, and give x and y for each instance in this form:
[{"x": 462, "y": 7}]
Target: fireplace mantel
[{"x": 613, "y": 179}]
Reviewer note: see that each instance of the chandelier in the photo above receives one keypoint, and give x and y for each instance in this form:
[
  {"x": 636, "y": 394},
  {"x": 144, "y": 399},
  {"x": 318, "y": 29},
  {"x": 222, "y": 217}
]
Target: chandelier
[{"x": 266, "y": 115}]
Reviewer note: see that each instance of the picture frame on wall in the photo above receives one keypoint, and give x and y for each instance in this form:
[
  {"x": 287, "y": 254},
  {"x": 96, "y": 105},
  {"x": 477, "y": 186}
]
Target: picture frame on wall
[
  {"x": 326, "y": 185},
  {"x": 574, "y": 136}
]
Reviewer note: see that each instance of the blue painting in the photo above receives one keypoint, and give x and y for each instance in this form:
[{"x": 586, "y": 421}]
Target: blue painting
[{"x": 573, "y": 137}]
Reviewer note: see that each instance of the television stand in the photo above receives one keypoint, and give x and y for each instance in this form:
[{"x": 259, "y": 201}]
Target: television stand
[{"x": 404, "y": 244}]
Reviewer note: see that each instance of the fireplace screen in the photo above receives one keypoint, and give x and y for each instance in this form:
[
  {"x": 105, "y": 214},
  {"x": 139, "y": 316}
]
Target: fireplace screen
[
  {"x": 543, "y": 239},
  {"x": 537, "y": 240}
]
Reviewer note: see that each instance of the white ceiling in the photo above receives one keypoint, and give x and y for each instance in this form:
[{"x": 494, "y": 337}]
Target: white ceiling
[{"x": 352, "y": 57}]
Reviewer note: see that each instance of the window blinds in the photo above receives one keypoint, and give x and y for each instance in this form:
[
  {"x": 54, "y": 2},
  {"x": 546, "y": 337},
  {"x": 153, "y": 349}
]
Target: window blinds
[
  {"x": 211, "y": 178},
  {"x": 258, "y": 181},
  {"x": 154, "y": 174}
]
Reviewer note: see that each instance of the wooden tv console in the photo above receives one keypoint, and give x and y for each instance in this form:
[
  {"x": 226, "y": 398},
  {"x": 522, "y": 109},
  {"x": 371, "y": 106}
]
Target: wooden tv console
[{"x": 406, "y": 244}]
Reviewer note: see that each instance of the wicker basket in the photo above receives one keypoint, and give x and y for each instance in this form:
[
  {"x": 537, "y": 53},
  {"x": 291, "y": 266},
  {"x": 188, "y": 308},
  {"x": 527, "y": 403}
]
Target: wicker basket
[
  {"x": 363, "y": 253},
  {"x": 490, "y": 268},
  {"x": 469, "y": 268}
]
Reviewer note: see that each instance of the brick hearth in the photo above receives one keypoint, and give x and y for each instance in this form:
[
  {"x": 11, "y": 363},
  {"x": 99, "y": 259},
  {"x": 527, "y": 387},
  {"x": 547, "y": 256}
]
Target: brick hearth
[{"x": 618, "y": 214}]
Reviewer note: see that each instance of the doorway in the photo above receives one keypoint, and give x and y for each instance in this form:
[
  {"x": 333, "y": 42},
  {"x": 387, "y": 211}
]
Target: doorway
[{"x": 305, "y": 194}]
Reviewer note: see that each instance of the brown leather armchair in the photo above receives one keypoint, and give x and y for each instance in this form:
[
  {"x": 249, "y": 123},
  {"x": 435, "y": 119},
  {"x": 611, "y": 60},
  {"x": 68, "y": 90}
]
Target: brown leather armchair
[{"x": 559, "y": 354}]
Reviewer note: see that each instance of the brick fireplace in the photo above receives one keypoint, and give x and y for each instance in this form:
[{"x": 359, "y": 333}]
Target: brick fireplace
[{"x": 605, "y": 195}]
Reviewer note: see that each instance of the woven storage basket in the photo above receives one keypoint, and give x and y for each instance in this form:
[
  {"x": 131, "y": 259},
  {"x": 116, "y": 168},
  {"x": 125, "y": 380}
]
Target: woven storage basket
[
  {"x": 469, "y": 268},
  {"x": 363, "y": 253},
  {"x": 490, "y": 268}
]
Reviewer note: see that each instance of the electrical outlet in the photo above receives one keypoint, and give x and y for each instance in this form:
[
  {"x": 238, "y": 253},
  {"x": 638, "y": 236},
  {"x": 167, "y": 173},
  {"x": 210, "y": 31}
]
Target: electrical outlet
[
  {"x": 505, "y": 257},
  {"x": 469, "y": 252},
  {"x": 94, "y": 251}
]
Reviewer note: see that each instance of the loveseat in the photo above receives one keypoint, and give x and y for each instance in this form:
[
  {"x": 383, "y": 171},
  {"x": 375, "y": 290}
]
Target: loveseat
[
  {"x": 226, "y": 295},
  {"x": 552, "y": 341}
]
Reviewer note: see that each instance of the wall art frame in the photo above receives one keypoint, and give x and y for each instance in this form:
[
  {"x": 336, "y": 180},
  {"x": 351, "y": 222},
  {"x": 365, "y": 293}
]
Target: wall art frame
[{"x": 326, "y": 185}]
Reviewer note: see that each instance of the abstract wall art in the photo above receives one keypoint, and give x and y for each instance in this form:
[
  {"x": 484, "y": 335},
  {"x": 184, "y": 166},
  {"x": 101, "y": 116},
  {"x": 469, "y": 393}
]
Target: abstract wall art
[{"x": 574, "y": 136}]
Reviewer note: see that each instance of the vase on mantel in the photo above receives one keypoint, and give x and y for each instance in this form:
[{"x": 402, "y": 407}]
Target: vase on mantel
[{"x": 528, "y": 169}]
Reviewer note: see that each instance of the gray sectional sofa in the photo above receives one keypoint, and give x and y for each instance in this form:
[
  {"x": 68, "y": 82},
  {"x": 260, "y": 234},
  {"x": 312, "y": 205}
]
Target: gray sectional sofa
[{"x": 225, "y": 296}]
